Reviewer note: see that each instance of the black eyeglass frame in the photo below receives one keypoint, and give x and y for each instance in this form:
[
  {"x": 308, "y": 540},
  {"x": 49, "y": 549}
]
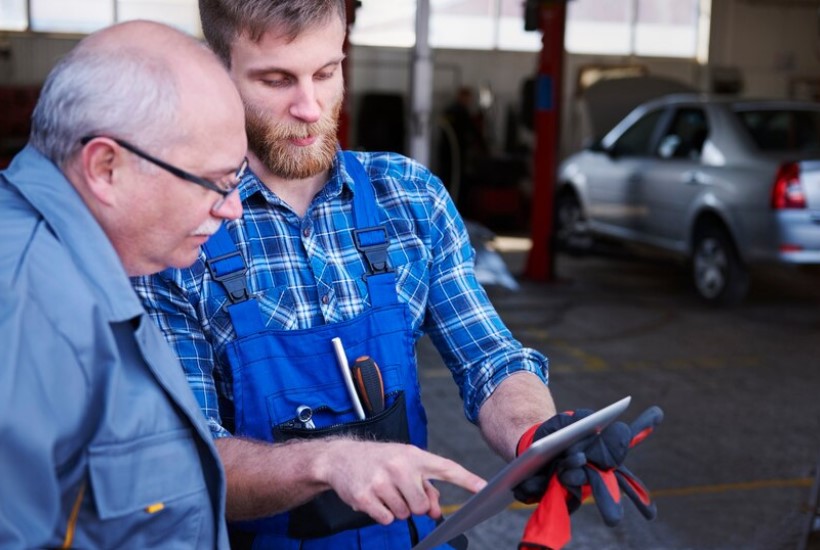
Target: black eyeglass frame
[{"x": 178, "y": 172}]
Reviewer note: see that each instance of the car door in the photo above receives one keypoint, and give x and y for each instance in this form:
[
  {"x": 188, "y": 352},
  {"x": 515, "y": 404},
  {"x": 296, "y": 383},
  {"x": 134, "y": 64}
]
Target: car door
[
  {"x": 674, "y": 179},
  {"x": 613, "y": 181}
]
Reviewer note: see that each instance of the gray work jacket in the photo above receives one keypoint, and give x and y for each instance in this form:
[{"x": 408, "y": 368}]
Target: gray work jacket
[{"x": 102, "y": 444}]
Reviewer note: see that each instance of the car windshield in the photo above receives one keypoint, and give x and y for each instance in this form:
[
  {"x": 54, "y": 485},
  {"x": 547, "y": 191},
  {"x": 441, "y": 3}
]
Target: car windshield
[{"x": 783, "y": 130}]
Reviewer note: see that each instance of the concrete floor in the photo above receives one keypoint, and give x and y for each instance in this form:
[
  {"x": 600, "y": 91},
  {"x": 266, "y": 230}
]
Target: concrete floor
[{"x": 733, "y": 463}]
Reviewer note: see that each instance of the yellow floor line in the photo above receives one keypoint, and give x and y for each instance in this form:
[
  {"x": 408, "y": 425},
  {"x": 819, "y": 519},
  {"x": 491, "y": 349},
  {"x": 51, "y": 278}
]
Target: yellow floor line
[{"x": 688, "y": 491}]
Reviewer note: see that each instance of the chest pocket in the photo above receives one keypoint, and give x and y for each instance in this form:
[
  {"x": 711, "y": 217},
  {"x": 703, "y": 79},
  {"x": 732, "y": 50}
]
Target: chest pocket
[
  {"x": 277, "y": 308},
  {"x": 410, "y": 258}
]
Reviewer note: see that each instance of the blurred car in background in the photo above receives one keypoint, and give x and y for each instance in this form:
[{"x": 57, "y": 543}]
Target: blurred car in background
[{"x": 722, "y": 183}]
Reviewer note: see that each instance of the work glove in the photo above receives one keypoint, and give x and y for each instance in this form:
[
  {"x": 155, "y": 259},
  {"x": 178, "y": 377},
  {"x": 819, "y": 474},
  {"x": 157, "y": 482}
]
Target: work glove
[{"x": 592, "y": 466}]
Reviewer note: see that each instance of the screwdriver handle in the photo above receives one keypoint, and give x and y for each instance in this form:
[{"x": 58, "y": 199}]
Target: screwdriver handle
[
  {"x": 344, "y": 367},
  {"x": 367, "y": 378}
]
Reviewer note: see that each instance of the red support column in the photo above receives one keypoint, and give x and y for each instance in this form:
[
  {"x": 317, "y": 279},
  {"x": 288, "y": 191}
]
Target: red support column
[
  {"x": 551, "y": 22},
  {"x": 343, "y": 132}
]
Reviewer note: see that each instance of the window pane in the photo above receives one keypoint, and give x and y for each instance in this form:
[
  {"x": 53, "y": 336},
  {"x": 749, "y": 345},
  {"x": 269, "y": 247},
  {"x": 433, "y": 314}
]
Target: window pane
[
  {"x": 686, "y": 135},
  {"x": 774, "y": 130},
  {"x": 76, "y": 16},
  {"x": 463, "y": 7},
  {"x": 462, "y": 24},
  {"x": 599, "y": 26},
  {"x": 511, "y": 33},
  {"x": 380, "y": 23},
  {"x": 183, "y": 14},
  {"x": 667, "y": 28},
  {"x": 613, "y": 27},
  {"x": 635, "y": 141},
  {"x": 453, "y": 23},
  {"x": 13, "y": 15}
]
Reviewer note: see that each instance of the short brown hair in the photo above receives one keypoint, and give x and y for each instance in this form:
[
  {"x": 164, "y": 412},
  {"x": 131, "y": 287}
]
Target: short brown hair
[{"x": 224, "y": 20}]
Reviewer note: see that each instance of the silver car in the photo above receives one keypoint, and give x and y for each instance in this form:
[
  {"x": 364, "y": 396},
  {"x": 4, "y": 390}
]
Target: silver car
[{"x": 723, "y": 183}]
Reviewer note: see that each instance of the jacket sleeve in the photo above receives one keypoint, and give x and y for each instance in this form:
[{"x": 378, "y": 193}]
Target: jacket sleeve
[{"x": 176, "y": 313}]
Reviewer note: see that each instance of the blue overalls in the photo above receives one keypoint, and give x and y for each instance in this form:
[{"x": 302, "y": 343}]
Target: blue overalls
[{"x": 277, "y": 372}]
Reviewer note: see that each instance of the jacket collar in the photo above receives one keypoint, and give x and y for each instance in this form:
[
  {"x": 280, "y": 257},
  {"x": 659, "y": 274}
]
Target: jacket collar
[{"x": 45, "y": 187}]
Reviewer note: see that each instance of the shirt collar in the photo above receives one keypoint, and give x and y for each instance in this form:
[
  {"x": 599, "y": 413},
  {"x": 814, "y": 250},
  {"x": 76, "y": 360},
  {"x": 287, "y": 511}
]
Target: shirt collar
[{"x": 46, "y": 188}]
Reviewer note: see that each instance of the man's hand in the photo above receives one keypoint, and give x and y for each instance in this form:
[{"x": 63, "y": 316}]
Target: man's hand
[
  {"x": 593, "y": 466},
  {"x": 390, "y": 481},
  {"x": 531, "y": 490},
  {"x": 383, "y": 480}
]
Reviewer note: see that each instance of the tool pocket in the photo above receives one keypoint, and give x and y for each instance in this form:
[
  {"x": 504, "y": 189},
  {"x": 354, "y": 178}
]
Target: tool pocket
[
  {"x": 327, "y": 513},
  {"x": 146, "y": 493}
]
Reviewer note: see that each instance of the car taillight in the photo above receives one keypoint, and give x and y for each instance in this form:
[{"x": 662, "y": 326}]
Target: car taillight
[{"x": 788, "y": 191}]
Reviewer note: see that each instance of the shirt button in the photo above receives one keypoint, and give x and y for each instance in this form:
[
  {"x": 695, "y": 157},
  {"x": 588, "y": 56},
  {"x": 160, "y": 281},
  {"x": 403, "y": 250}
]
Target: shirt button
[
  {"x": 306, "y": 232},
  {"x": 325, "y": 299}
]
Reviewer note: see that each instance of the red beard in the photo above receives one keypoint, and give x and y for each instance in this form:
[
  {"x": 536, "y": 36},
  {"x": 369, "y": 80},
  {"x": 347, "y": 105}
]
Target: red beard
[{"x": 270, "y": 142}]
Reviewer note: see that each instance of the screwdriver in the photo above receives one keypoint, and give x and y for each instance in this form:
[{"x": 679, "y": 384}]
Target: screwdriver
[
  {"x": 369, "y": 384},
  {"x": 344, "y": 367}
]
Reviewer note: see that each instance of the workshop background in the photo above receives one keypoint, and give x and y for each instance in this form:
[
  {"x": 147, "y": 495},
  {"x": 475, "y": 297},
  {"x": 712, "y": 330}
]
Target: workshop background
[{"x": 735, "y": 463}]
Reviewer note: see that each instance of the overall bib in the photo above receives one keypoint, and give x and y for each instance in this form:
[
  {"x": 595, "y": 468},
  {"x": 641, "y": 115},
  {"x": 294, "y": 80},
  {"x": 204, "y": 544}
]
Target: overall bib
[{"x": 279, "y": 374}]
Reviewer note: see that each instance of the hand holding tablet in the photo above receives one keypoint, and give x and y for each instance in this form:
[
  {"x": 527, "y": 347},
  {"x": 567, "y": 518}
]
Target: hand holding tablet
[
  {"x": 593, "y": 466},
  {"x": 498, "y": 494}
]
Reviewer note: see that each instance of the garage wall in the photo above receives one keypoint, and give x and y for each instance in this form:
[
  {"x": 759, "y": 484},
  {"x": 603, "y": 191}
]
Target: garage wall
[
  {"x": 768, "y": 47},
  {"x": 26, "y": 59},
  {"x": 388, "y": 71},
  {"x": 775, "y": 43},
  {"x": 773, "y": 46}
]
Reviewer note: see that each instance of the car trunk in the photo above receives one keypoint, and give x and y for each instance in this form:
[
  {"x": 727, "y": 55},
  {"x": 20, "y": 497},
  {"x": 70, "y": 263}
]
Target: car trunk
[{"x": 810, "y": 180}]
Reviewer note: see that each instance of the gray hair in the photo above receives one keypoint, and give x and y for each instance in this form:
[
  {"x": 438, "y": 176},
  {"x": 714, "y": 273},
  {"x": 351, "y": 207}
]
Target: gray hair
[{"x": 124, "y": 93}]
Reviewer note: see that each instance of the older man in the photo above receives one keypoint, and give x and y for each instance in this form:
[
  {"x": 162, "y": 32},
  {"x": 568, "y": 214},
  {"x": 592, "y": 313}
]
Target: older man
[{"x": 137, "y": 144}]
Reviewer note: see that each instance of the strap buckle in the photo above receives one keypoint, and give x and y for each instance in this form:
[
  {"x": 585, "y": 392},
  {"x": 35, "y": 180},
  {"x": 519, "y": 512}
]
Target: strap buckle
[
  {"x": 233, "y": 281},
  {"x": 372, "y": 242}
]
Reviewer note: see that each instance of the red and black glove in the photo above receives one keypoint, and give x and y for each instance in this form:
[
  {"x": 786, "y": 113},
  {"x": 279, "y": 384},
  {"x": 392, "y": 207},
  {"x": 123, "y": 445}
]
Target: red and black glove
[{"x": 592, "y": 466}]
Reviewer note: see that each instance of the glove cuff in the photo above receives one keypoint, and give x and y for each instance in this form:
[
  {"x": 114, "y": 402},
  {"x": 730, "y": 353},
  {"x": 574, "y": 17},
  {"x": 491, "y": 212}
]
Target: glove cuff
[
  {"x": 549, "y": 525},
  {"x": 525, "y": 440}
]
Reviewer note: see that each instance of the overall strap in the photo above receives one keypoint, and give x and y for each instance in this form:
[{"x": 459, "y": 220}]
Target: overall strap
[
  {"x": 370, "y": 236},
  {"x": 227, "y": 267}
]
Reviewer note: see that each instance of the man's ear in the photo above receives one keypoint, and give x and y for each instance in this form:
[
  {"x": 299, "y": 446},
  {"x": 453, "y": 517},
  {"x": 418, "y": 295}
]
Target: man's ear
[{"x": 100, "y": 161}]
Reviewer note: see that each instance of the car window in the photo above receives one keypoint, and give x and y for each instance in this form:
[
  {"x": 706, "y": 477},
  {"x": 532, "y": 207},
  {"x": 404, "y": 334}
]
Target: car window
[
  {"x": 685, "y": 136},
  {"x": 783, "y": 130},
  {"x": 635, "y": 141}
]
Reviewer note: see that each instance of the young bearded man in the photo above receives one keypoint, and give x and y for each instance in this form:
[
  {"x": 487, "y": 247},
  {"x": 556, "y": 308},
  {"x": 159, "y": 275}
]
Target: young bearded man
[{"x": 366, "y": 247}]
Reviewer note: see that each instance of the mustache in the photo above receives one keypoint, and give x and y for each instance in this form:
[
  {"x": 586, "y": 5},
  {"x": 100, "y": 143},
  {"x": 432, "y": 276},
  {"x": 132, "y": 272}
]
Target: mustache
[
  {"x": 297, "y": 130},
  {"x": 208, "y": 227},
  {"x": 269, "y": 139}
]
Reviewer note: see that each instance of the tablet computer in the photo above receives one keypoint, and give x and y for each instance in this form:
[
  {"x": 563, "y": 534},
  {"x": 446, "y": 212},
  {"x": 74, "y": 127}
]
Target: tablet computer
[{"x": 498, "y": 493}]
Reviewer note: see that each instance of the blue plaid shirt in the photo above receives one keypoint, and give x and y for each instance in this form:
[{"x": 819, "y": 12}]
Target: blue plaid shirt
[{"x": 306, "y": 272}]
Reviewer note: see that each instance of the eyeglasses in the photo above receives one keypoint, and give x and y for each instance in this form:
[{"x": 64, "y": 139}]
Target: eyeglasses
[{"x": 225, "y": 187}]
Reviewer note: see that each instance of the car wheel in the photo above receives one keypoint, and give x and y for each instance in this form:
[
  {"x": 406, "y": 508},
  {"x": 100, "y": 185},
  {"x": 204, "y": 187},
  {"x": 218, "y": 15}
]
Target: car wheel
[
  {"x": 719, "y": 275},
  {"x": 571, "y": 230}
]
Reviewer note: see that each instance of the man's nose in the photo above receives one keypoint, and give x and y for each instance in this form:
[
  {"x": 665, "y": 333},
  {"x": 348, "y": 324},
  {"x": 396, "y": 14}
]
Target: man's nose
[
  {"x": 230, "y": 208},
  {"x": 305, "y": 105}
]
